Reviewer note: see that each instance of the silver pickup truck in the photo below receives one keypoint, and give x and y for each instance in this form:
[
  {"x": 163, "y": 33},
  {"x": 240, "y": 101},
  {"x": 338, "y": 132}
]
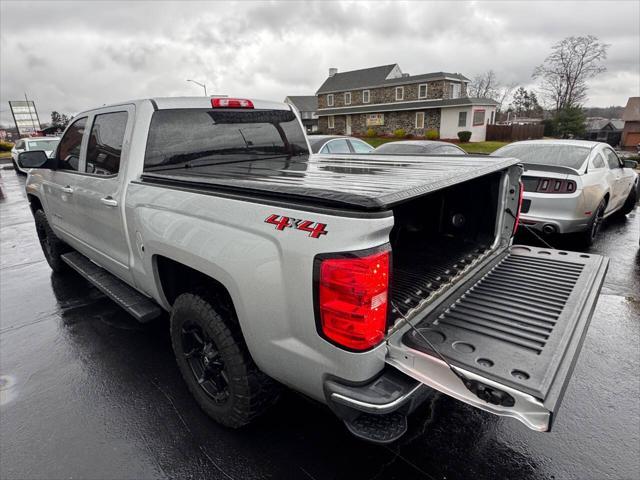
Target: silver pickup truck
[{"x": 364, "y": 282}]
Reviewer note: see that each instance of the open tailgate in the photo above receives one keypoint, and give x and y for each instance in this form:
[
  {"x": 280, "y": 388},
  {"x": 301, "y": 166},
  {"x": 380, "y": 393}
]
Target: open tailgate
[{"x": 513, "y": 331}]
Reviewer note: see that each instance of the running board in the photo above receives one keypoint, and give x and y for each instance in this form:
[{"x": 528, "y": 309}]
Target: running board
[{"x": 140, "y": 307}]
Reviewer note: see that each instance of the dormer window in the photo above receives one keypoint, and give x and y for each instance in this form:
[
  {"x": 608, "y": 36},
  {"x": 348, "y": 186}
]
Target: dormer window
[
  {"x": 347, "y": 98},
  {"x": 399, "y": 93},
  {"x": 330, "y": 100}
]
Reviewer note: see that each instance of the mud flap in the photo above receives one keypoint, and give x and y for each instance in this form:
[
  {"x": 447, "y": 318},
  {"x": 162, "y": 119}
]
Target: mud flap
[{"x": 513, "y": 332}]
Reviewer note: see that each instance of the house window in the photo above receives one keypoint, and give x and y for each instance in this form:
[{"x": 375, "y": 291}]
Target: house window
[
  {"x": 330, "y": 121},
  {"x": 419, "y": 119},
  {"x": 454, "y": 90},
  {"x": 422, "y": 91},
  {"x": 330, "y": 100},
  {"x": 462, "y": 119},
  {"x": 365, "y": 96},
  {"x": 399, "y": 93},
  {"x": 478, "y": 117},
  {"x": 347, "y": 98}
]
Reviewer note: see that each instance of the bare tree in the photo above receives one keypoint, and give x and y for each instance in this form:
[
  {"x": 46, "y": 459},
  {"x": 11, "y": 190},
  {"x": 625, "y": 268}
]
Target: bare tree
[
  {"x": 486, "y": 85},
  {"x": 563, "y": 75}
]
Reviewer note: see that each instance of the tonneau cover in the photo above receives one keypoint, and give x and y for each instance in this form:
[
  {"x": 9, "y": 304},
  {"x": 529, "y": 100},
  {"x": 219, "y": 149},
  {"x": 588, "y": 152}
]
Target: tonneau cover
[{"x": 369, "y": 182}]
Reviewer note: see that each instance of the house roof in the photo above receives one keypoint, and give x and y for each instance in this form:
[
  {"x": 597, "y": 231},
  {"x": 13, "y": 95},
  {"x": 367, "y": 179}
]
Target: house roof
[
  {"x": 632, "y": 110},
  {"x": 377, "y": 77},
  {"x": 600, "y": 123},
  {"x": 418, "y": 105},
  {"x": 304, "y": 103}
]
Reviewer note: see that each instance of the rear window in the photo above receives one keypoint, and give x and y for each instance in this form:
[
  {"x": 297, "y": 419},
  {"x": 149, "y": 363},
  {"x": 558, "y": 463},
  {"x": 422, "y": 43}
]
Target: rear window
[
  {"x": 194, "y": 137},
  {"x": 557, "y": 155},
  {"x": 400, "y": 148},
  {"x": 43, "y": 144}
]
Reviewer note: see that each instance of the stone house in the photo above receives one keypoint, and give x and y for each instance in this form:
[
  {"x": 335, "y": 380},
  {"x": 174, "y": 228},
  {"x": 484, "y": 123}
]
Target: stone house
[
  {"x": 386, "y": 99},
  {"x": 307, "y": 105}
]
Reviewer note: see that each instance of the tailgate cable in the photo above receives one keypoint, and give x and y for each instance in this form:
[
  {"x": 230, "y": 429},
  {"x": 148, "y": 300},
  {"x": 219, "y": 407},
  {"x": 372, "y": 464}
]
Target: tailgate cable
[
  {"x": 480, "y": 390},
  {"x": 464, "y": 379},
  {"x": 530, "y": 230}
]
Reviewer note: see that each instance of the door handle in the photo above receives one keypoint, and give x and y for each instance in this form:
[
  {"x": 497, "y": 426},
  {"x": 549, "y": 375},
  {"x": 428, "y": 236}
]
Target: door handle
[
  {"x": 109, "y": 201},
  {"x": 67, "y": 189}
]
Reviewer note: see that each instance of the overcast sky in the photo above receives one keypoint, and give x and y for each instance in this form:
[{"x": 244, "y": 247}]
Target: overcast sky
[{"x": 70, "y": 56}]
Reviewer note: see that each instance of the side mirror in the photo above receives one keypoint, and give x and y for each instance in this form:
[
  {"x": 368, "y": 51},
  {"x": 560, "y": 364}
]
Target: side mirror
[
  {"x": 630, "y": 164},
  {"x": 35, "y": 159}
]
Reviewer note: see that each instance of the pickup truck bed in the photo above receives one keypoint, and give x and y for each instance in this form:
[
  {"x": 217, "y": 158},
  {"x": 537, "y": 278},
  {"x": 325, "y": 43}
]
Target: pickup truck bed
[{"x": 363, "y": 182}]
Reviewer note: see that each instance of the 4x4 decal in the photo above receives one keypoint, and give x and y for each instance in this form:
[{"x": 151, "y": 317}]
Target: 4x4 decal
[{"x": 314, "y": 229}]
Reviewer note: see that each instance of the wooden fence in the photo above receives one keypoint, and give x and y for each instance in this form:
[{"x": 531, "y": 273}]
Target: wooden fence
[{"x": 514, "y": 132}]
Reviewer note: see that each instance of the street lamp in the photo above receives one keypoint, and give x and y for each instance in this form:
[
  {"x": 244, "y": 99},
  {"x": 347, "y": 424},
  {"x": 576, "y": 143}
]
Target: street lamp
[{"x": 201, "y": 84}]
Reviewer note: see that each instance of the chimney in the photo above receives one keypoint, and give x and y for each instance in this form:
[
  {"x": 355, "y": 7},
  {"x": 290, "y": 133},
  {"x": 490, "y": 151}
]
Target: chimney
[
  {"x": 332, "y": 71},
  {"x": 404, "y": 75}
]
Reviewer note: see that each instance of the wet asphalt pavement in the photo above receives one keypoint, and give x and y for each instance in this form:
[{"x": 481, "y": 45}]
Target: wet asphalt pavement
[{"x": 87, "y": 392}]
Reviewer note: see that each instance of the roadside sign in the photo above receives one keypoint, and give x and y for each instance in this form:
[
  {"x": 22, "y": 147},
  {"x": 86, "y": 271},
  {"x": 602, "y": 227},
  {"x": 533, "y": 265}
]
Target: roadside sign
[{"x": 25, "y": 116}]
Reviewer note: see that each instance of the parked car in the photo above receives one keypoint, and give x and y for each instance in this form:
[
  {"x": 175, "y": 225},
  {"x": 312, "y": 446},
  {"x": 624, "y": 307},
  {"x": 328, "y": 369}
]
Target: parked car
[
  {"x": 360, "y": 287},
  {"x": 419, "y": 147},
  {"x": 571, "y": 186},
  {"x": 48, "y": 144},
  {"x": 338, "y": 144}
]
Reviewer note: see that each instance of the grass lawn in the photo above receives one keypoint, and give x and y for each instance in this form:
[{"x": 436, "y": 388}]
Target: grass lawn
[
  {"x": 482, "y": 147},
  {"x": 475, "y": 147},
  {"x": 5, "y": 154}
]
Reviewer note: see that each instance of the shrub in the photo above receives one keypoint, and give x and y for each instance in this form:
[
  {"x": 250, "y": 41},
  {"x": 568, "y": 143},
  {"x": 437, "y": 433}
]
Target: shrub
[
  {"x": 5, "y": 146},
  {"x": 432, "y": 134},
  {"x": 370, "y": 133},
  {"x": 464, "y": 136},
  {"x": 399, "y": 133}
]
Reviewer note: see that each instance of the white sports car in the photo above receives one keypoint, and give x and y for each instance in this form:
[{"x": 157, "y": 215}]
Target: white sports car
[{"x": 572, "y": 185}]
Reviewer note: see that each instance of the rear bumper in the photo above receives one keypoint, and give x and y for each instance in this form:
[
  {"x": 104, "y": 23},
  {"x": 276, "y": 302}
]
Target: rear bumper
[
  {"x": 390, "y": 392},
  {"x": 560, "y": 213}
]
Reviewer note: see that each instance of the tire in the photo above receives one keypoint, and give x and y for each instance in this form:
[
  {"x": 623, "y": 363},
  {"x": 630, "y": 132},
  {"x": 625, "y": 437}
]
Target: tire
[
  {"x": 589, "y": 236},
  {"x": 631, "y": 201},
  {"x": 217, "y": 367},
  {"x": 15, "y": 167},
  {"x": 52, "y": 247}
]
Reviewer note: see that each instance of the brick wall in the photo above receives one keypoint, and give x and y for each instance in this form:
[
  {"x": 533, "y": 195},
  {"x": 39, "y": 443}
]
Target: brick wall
[
  {"x": 437, "y": 89},
  {"x": 392, "y": 121}
]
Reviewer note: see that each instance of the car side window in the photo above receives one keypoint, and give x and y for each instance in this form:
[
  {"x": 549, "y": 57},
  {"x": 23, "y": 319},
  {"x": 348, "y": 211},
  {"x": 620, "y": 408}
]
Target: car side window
[
  {"x": 360, "y": 147},
  {"x": 338, "y": 146},
  {"x": 105, "y": 143},
  {"x": 598, "y": 161},
  {"x": 19, "y": 145},
  {"x": 69, "y": 147},
  {"x": 612, "y": 159}
]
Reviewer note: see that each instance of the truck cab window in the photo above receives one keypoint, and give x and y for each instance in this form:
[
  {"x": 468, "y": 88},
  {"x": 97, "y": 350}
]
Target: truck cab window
[
  {"x": 69, "y": 149},
  {"x": 105, "y": 143}
]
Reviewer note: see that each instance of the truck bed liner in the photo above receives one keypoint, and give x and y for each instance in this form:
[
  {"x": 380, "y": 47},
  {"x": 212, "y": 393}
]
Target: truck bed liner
[
  {"x": 368, "y": 182},
  {"x": 516, "y": 323}
]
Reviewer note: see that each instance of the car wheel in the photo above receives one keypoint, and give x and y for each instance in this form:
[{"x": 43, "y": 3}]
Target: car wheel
[
  {"x": 215, "y": 362},
  {"x": 589, "y": 236},
  {"x": 631, "y": 201},
  {"x": 15, "y": 167},
  {"x": 52, "y": 247}
]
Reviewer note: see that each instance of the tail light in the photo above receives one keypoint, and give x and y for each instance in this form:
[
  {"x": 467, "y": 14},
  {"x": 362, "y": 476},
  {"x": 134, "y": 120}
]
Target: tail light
[
  {"x": 520, "y": 197},
  {"x": 231, "y": 103},
  {"x": 550, "y": 185},
  {"x": 352, "y": 299}
]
